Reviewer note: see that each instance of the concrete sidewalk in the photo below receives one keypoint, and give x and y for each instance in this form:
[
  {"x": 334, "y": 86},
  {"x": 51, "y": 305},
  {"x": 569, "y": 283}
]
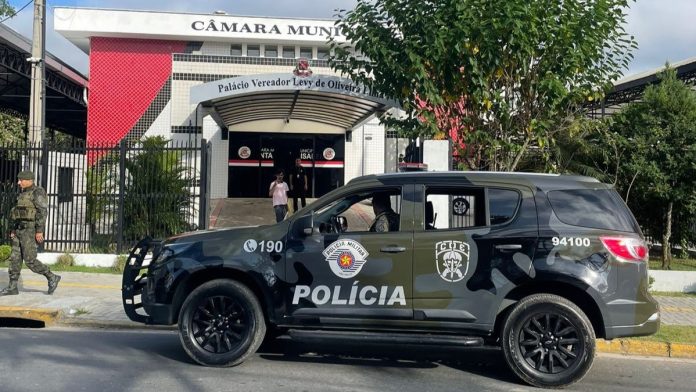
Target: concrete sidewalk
[{"x": 91, "y": 299}]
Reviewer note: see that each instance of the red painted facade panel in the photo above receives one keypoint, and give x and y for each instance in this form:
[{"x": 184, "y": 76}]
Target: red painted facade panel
[{"x": 125, "y": 76}]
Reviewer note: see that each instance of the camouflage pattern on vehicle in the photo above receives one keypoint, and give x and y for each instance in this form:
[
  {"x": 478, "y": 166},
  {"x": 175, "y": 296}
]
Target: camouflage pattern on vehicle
[{"x": 538, "y": 264}]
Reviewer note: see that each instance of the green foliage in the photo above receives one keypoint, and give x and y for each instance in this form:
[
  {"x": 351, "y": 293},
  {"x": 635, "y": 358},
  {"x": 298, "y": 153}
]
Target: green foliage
[
  {"x": 8, "y": 198},
  {"x": 65, "y": 260},
  {"x": 6, "y": 9},
  {"x": 120, "y": 263},
  {"x": 660, "y": 133},
  {"x": 511, "y": 73},
  {"x": 12, "y": 125},
  {"x": 587, "y": 147},
  {"x": 157, "y": 195},
  {"x": 5, "y": 251}
]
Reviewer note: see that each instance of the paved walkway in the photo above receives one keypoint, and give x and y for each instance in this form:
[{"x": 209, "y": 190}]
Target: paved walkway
[
  {"x": 96, "y": 299},
  {"x": 81, "y": 297}
]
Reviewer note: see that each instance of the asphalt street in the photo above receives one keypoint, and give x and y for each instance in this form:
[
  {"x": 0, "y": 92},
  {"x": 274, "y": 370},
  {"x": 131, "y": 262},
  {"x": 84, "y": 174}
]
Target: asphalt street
[{"x": 58, "y": 359}]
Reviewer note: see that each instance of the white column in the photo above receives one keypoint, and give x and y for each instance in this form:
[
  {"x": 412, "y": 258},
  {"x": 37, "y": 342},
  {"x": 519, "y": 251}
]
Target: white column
[{"x": 218, "y": 158}]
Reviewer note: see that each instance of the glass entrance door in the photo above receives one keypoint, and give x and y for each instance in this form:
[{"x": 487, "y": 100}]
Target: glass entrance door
[{"x": 255, "y": 157}]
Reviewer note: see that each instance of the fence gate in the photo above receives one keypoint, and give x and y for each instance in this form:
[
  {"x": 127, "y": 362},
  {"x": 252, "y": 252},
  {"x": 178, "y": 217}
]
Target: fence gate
[{"x": 104, "y": 198}]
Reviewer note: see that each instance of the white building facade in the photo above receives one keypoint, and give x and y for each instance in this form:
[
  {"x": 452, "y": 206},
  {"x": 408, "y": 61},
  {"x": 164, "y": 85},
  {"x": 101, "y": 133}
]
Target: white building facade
[{"x": 259, "y": 89}]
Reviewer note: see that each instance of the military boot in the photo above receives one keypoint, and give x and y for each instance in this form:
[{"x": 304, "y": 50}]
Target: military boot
[
  {"x": 11, "y": 289},
  {"x": 53, "y": 280}
]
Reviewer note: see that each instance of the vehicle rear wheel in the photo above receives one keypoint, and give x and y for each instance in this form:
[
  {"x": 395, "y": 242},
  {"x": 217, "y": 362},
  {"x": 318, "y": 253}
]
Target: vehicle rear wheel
[
  {"x": 548, "y": 341},
  {"x": 221, "y": 323}
]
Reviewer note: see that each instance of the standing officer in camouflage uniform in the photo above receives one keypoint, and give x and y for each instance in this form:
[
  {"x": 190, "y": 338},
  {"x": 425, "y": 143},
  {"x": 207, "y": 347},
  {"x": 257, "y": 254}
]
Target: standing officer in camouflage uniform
[{"x": 29, "y": 220}]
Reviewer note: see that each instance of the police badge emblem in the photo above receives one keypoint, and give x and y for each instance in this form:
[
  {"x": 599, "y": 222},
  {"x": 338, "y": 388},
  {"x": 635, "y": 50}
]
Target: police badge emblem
[
  {"x": 346, "y": 257},
  {"x": 452, "y": 260}
]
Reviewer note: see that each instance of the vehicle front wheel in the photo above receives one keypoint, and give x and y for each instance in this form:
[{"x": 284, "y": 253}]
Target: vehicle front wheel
[
  {"x": 221, "y": 323},
  {"x": 548, "y": 341}
]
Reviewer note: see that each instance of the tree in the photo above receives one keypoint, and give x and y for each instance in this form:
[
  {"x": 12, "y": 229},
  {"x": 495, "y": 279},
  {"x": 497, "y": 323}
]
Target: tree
[
  {"x": 12, "y": 127},
  {"x": 157, "y": 195},
  {"x": 658, "y": 178},
  {"x": 512, "y": 72},
  {"x": 6, "y": 9}
]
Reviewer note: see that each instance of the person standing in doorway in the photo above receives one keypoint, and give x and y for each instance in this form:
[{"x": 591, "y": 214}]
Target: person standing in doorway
[
  {"x": 279, "y": 192},
  {"x": 298, "y": 185},
  {"x": 28, "y": 224}
]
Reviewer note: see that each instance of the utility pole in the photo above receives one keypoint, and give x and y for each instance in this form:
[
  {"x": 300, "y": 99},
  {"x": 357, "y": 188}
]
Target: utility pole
[{"x": 37, "y": 100}]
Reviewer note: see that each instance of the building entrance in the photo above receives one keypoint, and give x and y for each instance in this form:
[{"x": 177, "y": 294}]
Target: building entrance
[{"x": 255, "y": 157}]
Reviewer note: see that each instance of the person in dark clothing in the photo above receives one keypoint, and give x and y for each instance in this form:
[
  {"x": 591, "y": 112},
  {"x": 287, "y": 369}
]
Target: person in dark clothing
[
  {"x": 298, "y": 185},
  {"x": 385, "y": 218}
]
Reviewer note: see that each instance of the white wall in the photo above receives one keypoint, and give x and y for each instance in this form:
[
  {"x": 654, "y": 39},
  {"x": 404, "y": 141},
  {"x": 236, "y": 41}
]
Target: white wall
[
  {"x": 219, "y": 158},
  {"x": 393, "y": 148},
  {"x": 162, "y": 124},
  {"x": 437, "y": 154},
  {"x": 365, "y": 153}
]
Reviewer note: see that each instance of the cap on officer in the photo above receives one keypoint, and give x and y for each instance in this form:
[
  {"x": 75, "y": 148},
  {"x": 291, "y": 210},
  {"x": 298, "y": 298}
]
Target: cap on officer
[{"x": 25, "y": 175}]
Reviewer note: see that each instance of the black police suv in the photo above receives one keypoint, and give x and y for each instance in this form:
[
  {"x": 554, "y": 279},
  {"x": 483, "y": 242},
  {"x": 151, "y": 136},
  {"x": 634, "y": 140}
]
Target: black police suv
[{"x": 539, "y": 265}]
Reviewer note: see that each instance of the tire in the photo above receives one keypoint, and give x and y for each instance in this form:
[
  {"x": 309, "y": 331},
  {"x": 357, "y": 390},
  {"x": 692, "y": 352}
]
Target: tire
[
  {"x": 548, "y": 341},
  {"x": 221, "y": 323}
]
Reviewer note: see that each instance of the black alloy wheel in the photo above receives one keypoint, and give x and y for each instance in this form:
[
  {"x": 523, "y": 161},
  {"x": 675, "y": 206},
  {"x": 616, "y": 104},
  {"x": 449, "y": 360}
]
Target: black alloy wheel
[
  {"x": 221, "y": 323},
  {"x": 548, "y": 341}
]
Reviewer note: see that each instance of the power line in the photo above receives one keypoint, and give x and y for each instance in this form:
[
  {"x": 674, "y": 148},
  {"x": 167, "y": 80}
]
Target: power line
[{"x": 16, "y": 12}]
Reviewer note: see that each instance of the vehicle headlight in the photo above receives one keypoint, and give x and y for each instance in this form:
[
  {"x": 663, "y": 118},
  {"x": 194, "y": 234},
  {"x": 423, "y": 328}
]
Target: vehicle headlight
[{"x": 170, "y": 250}]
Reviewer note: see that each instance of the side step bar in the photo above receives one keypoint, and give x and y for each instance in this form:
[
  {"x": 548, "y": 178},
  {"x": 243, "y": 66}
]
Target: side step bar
[{"x": 361, "y": 337}]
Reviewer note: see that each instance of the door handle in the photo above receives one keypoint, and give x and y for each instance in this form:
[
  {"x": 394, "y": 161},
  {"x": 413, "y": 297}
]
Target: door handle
[
  {"x": 508, "y": 247},
  {"x": 393, "y": 249}
]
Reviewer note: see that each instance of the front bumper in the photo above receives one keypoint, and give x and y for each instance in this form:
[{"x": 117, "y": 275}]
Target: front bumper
[
  {"x": 135, "y": 280},
  {"x": 159, "y": 314}
]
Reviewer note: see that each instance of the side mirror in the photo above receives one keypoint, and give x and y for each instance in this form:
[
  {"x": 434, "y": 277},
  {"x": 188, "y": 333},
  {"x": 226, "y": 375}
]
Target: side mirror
[
  {"x": 342, "y": 223},
  {"x": 304, "y": 225}
]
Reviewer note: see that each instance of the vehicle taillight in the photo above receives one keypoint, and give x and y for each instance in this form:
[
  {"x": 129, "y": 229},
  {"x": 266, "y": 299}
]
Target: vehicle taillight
[{"x": 625, "y": 248}]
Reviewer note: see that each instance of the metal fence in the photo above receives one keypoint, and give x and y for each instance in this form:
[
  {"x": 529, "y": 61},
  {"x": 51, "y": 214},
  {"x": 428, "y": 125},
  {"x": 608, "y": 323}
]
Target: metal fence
[{"x": 104, "y": 198}]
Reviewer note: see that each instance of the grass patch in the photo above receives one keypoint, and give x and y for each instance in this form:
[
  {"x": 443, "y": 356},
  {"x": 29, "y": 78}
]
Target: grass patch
[
  {"x": 676, "y": 265},
  {"x": 120, "y": 263},
  {"x": 76, "y": 268},
  {"x": 79, "y": 312},
  {"x": 673, "y": 334},
  {"x": 673, "y": 294}
]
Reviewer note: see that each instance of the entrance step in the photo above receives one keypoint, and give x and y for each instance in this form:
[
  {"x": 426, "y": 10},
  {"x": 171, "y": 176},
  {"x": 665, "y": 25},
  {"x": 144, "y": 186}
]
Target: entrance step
[{"x": 362, "y": 337}]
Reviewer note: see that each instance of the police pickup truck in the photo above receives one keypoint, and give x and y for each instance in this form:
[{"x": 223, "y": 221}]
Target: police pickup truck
[{"x": 539, "y": 265}]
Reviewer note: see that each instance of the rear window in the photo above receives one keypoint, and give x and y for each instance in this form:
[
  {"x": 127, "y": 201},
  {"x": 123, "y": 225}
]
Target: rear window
[
  {"x": 595, "y": 208},
  {"x": 502, "y": 204}
]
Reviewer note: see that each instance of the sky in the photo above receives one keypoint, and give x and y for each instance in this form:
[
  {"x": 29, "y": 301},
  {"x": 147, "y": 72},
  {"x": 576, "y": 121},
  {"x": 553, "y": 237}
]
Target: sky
[{"x": 665, "y": 29}]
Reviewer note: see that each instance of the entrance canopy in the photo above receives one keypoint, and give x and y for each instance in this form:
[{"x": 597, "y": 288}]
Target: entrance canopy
[{"x": 329, "y": 100}]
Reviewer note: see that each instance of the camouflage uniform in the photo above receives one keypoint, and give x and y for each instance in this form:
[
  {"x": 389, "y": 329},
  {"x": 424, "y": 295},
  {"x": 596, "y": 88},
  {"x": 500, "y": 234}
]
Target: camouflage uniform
[
  {"x": 28, "y": 218},
  {"x": 386, "y": 221}
]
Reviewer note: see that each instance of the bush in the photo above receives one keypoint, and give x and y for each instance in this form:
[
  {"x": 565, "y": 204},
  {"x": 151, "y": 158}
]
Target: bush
[
  {"x": 5, "y": 251},
  {"x": 120, "y": 263},
  {"x": 65, "y": 260}
]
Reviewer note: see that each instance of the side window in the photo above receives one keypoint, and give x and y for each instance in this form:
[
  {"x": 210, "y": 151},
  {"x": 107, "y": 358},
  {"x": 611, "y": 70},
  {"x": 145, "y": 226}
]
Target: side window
[
  {"x": 369, "y": 211},
  {"x": 454, "y": 208},
  {"x": 502, "y": 205}
]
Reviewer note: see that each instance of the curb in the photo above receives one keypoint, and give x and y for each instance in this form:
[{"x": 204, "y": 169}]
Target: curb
[
  {"x": 48, "y": 316},
  {"x": 101, "y": 324},
  {"x": 647, "y": 348}
]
